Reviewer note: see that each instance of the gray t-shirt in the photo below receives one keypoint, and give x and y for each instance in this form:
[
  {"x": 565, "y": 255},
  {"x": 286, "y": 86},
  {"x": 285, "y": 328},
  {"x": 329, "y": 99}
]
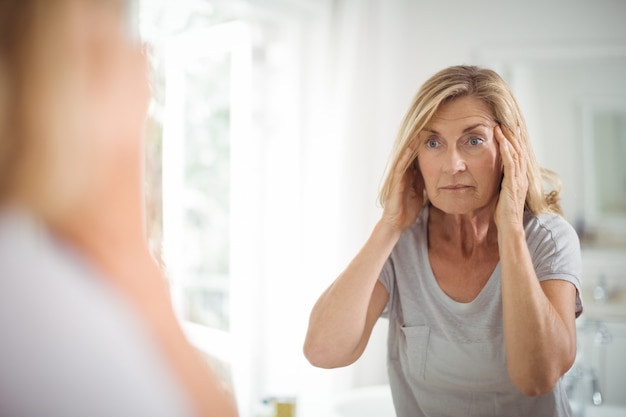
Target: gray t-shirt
[
  {"x": 447, "y": 358},
  {"x": 71, "y": 346}
]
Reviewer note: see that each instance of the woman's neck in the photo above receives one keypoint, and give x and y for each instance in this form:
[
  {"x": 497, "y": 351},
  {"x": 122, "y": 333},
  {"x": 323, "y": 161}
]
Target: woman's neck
[{"x": 467, "y": 233}]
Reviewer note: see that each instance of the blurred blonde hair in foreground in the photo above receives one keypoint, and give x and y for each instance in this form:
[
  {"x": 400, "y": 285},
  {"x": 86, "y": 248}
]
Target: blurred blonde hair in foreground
[{"x": 73, "y": 252}]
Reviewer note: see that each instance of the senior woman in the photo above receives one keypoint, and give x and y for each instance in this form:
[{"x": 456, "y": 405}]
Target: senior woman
[{"x": 471, "y": 261}]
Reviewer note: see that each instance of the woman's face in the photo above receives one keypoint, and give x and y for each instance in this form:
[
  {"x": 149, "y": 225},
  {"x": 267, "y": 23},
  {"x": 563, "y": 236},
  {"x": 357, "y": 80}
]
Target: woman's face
[
  {"x": 459, "y": 157},
  {"x": 89, "y": 106}
]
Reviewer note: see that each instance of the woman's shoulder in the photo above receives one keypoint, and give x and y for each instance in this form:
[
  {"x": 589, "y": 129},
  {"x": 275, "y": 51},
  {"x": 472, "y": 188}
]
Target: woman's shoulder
[
  {"x": 52, "y": 296},
  {"x": 548, "y": 225},
  {"x": 552, "y": 239}
]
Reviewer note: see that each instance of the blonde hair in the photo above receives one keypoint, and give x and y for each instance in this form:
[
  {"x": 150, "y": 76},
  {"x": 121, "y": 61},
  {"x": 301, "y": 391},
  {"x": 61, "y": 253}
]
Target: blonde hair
[
  {"x": 15, "y": 39},
  {"x": 484, "y": 84}
]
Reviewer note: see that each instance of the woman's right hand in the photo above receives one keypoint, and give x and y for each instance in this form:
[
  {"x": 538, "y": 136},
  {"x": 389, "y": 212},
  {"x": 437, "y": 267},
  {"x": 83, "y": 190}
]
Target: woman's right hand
[{"x": 406, "y": 197}]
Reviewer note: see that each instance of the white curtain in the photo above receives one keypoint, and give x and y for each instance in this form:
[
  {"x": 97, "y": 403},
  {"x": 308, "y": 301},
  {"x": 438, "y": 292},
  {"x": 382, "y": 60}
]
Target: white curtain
[{"x": 325, "y": 145}]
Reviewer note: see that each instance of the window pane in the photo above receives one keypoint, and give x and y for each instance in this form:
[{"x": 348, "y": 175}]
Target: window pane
[{"x": 206, "y": 190}]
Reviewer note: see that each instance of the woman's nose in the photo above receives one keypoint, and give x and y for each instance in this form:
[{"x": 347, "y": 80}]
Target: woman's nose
[{"x": 453, "y": 162}]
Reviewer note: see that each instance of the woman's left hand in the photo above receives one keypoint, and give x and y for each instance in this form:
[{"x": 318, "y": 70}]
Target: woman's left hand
[{"x": 512, "y": 199}]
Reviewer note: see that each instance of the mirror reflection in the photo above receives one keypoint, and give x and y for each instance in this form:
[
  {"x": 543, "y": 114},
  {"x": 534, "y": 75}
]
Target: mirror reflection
[
  {"x": 607, "y": 216},
  {"x": 609, "y": 132},
  {"x": 312, "y": 95}
]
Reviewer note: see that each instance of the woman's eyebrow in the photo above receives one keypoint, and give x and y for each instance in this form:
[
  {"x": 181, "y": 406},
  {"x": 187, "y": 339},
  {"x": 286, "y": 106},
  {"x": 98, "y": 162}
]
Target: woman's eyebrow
[
  {"x": 467, "y": 129},
  {"x": 470, "y": 128}
]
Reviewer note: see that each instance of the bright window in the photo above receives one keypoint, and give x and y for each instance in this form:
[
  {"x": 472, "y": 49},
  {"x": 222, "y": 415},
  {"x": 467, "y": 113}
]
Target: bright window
[
  {"x": 196, "y": 173},
  {"x": 201, "y": 89}
]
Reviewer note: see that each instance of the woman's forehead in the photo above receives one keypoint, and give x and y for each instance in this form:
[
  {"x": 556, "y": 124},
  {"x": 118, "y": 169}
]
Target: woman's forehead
[{"x": 462, "y": 111}]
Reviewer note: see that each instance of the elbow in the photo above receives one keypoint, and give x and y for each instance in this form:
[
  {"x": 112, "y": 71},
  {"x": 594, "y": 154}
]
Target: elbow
[
  {"x": 311, "y": 353},
  {"x": 539, "y": 382},
  {"x": 322, "y": 355},
  {"x": 535, "y": 388},
  {"x": 315, "y": 358},
  {"x": 534, "y": 384},
  {"x": 540, "y": 377}
]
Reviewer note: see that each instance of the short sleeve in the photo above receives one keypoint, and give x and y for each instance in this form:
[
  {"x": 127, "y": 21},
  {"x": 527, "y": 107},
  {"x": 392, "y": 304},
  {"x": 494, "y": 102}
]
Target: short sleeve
[
  {"x": 555, "y": 250},
  {"x": 387, "y": 278}
]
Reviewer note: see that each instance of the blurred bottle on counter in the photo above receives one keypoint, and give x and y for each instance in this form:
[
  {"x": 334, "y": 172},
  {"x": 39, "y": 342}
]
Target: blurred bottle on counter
[{"x": 278, "y": 407}]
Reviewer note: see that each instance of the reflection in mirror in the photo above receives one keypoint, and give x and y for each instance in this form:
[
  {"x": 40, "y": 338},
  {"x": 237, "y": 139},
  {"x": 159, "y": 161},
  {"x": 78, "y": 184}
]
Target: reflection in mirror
[
  {"x": 609, "y": 130},
  {"x": 605, "y": 174}
]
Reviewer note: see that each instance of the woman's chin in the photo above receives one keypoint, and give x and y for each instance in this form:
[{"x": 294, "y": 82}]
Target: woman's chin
[{"x": 460, "y": 207}]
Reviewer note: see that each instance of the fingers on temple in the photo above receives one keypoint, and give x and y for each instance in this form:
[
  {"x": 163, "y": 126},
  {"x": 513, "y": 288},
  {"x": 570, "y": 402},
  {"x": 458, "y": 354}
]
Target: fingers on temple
[
  {"x": 403, "y": 163},
  {"x": 511, "y": 152},
  {"x": 513, "y": 138}
]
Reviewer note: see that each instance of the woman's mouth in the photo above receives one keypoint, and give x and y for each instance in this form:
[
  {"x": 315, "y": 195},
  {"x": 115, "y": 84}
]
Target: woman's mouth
[{"x": 456, "y": 187}]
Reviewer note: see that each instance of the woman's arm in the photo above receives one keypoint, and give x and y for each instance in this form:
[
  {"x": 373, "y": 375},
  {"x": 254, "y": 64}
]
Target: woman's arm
[
  {"x": 539, "y": 318},
  {"x": 342, "y": 319}
]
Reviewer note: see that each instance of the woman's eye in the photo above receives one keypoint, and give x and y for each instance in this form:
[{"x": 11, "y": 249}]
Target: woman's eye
[
  {"x": 476, "y": 141},
  {"x": 432, "y": 143}
]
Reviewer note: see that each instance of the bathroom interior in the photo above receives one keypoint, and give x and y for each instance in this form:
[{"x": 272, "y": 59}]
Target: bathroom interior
[{"x": 268, "y": 137}]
